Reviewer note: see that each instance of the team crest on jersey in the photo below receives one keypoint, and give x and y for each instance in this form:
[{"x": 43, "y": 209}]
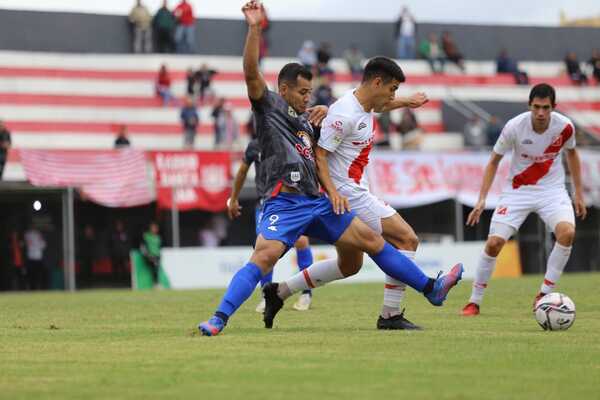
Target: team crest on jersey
[
  {"x": 527, "y": 141},
  {"x": 362, "y": 125},
  {"x": 305, "y": 149},
  {"x": 292, "y": 112},
  {"x": 295, "y": 176},
  {"x": 337, "y": 126}
]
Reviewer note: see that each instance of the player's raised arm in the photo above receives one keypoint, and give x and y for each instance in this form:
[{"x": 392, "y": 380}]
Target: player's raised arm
[
  {"x": 414, "y": 101},
  {"x": 488, "y": 178},
  {"x": 255, "y": 83},
  {"x": 574, "y": 164}
]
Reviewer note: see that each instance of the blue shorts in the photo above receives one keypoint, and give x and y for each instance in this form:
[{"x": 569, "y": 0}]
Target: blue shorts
[{"x": 289, "y": 215}]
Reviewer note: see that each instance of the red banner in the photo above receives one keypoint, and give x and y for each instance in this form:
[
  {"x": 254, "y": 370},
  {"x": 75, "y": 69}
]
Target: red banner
[{"x": 200, "y": 180}]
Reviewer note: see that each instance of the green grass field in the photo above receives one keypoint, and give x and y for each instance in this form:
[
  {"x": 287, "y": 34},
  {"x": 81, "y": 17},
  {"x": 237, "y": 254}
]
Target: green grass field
[{"x": 121, "y": 344}]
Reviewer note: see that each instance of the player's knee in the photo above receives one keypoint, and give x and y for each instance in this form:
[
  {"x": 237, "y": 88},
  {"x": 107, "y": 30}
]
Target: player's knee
[
  {"x": 565, "y": 234},
  {"x": 411, "y": 241},
  {"x": 493, "y": 245},
  {"x": 265, "y": 258},
  {"x": 301, "y": 243},
  {"x": 370, "y": 241}
]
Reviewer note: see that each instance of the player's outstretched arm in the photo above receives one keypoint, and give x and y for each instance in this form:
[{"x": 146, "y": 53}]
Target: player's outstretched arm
[
  {"x": 488, "y": 178},
  {"x": 340, "y": 203},
  {"x": 574, "y": 164},
  {"x": 233, "y": 205},
  {"x": 255, "y": 82},
  {"x": 414, "y": 101}
]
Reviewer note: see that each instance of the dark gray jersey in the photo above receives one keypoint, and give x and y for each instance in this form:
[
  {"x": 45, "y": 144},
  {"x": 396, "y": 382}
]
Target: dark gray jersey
[
  {"x": 285, "y": 140},
  {"x": 252, "y": 155}
]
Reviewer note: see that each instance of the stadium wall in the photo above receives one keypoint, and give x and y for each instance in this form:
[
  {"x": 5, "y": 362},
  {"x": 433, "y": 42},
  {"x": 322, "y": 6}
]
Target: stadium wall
[{"x": 89, "y": 33}]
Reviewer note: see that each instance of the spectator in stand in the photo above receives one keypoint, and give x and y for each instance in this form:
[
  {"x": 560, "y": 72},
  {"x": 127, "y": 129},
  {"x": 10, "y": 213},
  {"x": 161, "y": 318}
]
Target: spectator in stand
[
  {"x": 189, "y": 122},
  {"x": 595, "y": 65},
  {"x": 354, "y": 59},
  {"x": 141, "y": 21},
  {"x": 36, "y": 270},
  {"x": 204, "y": 77},
  {"x": 164, "y": 24},
  {"x": 475, "y": 134},
  {"x": 122, "y": 140},
  {"x": 265, "y": 25},
  {"x": 86, "y": 253},
  {"x": 451, "y": 50},
  {"x": 150, "y": 249},
  {"x": 384, "y": 122},
  {"x": 493, "y": 130},
  {"x": 163, "y": 85},
  {"x": 409, "y": 130},
  {"x": 191, "y": 84},
  {"x": 574, "y": 69},
  {"x": 185, "y": 32},
  {"x": 506, "y": 65},
  {"x": 324, "y": 93},
  {"x": 227, "y": 130},
  {"x": 405, "y": 31},
  {"x": 120, "y": 245},
  {"x": 19, "y": 272},
  {"x": 430, "y": 50},
  {"x": 307, "y": 55},
  {"x": 5, "y": 144},
  {"x": 323, "y": 58}
]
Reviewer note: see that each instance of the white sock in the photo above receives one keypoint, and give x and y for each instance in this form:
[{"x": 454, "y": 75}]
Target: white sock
[
  {"x": 393, "y": 291},
  {"x": 485, "y": 268},
  {"x": 556, "y": 264},
  {"x": 318, "y": 274}
]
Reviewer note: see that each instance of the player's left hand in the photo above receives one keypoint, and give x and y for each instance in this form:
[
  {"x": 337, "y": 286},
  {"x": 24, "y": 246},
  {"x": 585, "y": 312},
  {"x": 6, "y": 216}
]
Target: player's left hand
[
  {"x": 417, "y": 100},
  {"x": 580, "y": 209},
  {"x": 317, "y": 114}
]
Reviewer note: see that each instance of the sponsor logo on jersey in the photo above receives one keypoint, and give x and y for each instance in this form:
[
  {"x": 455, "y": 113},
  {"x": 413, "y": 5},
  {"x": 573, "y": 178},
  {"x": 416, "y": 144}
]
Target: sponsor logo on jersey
[
  {"x": 305, "y": 149},
  {"x": 337, "y": 125},
  {"x": 337, "y": 139},
  {"x": 292, "y": 112},
  {"x": 502, "y": 210},
  {"x": 364, "y": 142},
  {"x": 527, "y": 141},
  {"x": 540, "y": 158},
  {"x": 362, "y": 125}
]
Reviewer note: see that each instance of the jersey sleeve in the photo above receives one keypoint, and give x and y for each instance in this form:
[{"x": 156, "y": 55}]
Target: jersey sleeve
[
  {"x": 333, "y": 130},
  {"x": 505, "y": 142},
  {"x": 570, "y": 144},
  {"x": 264, "y": 103},
  {"x": 251, "y": 153}
]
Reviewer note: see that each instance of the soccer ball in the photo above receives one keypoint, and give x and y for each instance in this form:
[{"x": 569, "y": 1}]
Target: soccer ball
[{"x": 555, "y": 312}]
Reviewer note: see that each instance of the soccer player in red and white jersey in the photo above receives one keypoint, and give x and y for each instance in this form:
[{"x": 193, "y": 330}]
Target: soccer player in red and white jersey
[
  {"x": 536, "y": 184},
  {"x": 347, "y": 136}
]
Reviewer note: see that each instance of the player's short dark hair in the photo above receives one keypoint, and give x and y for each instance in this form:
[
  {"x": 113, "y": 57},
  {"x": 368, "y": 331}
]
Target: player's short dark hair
[
  {"x": 385, "y": 68},
  {"x": 290, "y": 72},
  {"x": 543, "y": 91}
]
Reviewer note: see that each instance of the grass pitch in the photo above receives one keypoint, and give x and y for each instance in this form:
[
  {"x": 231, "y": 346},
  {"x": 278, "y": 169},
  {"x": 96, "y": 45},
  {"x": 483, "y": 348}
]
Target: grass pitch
[{"x": 122, "y": 344}]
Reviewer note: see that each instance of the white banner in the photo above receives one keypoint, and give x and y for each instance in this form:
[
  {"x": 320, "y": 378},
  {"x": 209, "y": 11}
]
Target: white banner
[
  {"x": 191, "y": 268},
  {"x": 410, "y": 179}
]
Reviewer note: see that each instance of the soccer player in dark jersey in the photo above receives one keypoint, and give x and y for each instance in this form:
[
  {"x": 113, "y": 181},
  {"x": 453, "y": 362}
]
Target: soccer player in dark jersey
[
  {"x": 303, "y": 252},
  {"x": 294, "y": 204}
]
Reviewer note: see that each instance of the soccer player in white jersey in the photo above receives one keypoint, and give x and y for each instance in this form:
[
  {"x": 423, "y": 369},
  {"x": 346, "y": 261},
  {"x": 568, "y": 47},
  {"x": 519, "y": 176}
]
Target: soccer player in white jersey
[
  {"x": 536, "y": 184},
  {"x": 347, "y": 136}
]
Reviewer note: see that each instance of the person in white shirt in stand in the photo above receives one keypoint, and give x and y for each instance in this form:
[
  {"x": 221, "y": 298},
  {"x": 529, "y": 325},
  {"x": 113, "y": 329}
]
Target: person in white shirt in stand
[
  {"x": 536, "y": 184},
  {"x": 342, "y": 153},
  {"x": 35, "y": 245}
]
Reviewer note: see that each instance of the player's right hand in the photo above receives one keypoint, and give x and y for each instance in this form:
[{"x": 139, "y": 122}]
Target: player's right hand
[
  {"x": 339, "y": 203},
  {"x": 475, "y": 214},
  {"x": 234, "y": 209},
  {"x": 254, "y": 12}
]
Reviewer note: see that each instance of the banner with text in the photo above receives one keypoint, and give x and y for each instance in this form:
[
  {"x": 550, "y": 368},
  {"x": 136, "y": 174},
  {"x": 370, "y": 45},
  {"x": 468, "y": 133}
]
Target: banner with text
[
  {"x": 410, "y": 179},
  {"x": 195, "y": 180}
]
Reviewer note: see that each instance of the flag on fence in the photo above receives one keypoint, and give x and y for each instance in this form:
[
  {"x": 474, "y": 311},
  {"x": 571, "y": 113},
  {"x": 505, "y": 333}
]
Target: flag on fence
[{"x": 112, "y": 178}]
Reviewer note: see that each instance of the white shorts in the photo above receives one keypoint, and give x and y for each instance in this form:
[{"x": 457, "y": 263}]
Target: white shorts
[
  {"x": 513, "y": 207},
  {"x": 366, "y": 206}
]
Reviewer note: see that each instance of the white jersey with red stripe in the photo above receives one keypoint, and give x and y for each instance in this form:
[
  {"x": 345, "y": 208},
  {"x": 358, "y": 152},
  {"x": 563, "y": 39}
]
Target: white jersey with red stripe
[
  {"x": 536, "y": 158},
  {"x": 347, "y": 132}
]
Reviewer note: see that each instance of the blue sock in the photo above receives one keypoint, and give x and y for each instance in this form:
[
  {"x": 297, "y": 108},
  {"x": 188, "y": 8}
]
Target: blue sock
[
  {"x": 398, "y": 266},
  {"x": 240, "y": 288},
  {"x": 268, "y": 278},
  {"x": 305, "y": 260}
]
